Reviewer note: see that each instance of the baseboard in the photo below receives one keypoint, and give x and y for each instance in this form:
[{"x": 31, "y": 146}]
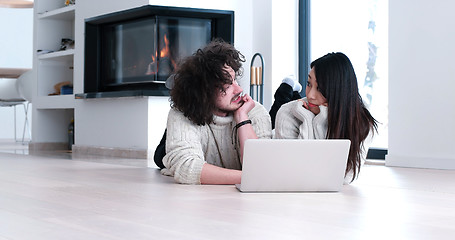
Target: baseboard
[
  {"x": 420, "y": 162},
  {"x": 47, "y": 146},
  {"x": 110, "y": 152}
]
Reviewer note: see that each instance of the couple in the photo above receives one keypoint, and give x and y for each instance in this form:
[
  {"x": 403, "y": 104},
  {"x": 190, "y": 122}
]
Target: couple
[{"x": 210, "y": 118}]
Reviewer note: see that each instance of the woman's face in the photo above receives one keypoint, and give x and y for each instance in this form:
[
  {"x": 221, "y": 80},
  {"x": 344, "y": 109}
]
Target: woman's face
[{"x": 314, "y": 96}]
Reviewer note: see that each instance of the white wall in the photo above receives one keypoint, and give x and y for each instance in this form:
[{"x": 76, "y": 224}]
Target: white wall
[
  {"x": 138, "y": 123},
  {"x": 16, "y": 43},
  {"x": 285, "y": 54},
  {"x": 421, "y": 84}
]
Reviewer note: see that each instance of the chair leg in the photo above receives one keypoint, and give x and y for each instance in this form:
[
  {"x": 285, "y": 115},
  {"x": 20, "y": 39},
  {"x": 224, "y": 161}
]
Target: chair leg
[
  {"x": 15, "y": 134},
  {"x": 26, "y": 108}
]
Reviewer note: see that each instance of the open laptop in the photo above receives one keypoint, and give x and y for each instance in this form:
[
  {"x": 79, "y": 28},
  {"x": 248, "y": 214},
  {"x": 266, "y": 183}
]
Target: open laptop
[{"x": 294, "y": 165}]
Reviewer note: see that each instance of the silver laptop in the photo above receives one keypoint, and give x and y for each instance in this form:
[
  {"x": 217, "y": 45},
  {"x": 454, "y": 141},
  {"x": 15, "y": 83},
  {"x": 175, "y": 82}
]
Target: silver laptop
[{"x": 294, "y": 165}]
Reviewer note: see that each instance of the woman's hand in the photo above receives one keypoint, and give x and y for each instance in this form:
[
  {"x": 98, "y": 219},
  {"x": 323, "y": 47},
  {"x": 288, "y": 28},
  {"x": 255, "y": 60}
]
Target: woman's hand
[{"x": 313, "y": 108}]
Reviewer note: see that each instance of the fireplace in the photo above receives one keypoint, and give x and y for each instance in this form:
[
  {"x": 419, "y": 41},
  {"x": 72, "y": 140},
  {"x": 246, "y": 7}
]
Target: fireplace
[{"x": 133, "y": 52}]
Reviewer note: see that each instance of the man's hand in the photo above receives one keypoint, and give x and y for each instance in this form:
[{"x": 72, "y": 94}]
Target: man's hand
[
  {"x": 241, "y": 113},
  {"x": 246, "y": 131}
]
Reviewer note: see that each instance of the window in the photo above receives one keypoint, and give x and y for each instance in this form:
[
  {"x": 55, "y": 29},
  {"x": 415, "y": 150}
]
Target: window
[{"x": 358, "y": 28}]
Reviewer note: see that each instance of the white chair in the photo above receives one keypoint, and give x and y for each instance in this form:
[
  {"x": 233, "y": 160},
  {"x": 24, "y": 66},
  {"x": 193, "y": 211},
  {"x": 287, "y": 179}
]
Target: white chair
[
  {"x": 15, "y": 92},
  {"x": 25, "y": 87}
]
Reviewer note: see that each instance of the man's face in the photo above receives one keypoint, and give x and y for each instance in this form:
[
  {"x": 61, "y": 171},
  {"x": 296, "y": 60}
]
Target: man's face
[{"x": 229, "y": 100}]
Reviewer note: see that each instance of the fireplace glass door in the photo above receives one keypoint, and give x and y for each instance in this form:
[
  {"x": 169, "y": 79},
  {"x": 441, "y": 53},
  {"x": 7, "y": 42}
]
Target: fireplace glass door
[{"x": 149, "y": 49}]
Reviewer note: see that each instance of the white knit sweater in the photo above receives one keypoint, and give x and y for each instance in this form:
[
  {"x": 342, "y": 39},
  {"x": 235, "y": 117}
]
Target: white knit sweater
[
  {"x": 293, "y": 121},
  {"x": 189, "y": 146}
]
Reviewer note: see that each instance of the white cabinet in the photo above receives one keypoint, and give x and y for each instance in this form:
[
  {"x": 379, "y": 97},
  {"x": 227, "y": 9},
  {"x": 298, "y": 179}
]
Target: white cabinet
[{"x": 53, "y": 21}]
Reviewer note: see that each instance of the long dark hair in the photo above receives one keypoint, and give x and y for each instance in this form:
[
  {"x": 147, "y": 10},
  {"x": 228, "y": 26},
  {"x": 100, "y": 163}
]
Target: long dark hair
[
  {"x": 201, "y": 76},
  {"x": 348, "y": 118}
]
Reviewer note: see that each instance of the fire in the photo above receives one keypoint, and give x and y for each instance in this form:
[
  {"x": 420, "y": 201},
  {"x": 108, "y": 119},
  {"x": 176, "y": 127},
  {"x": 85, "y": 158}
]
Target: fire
[{"x": 164, "y": 53}]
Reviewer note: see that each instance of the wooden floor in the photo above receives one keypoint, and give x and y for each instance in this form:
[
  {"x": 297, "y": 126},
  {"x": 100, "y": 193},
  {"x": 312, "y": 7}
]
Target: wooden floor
[{"x": 52, "y": 196}]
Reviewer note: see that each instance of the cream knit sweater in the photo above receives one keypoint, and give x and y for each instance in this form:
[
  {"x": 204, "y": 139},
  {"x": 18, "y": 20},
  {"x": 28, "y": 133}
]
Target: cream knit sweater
[
  {"x": 189, "y": 146},
  {"x": 293, "y": 121}
]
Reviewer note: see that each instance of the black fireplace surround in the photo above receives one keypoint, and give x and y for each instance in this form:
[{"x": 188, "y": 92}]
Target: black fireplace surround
[{"x": 133, "y": 52}]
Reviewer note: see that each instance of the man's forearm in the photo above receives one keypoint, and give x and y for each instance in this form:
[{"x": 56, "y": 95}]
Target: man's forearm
[{"x": 212, "y": 174}]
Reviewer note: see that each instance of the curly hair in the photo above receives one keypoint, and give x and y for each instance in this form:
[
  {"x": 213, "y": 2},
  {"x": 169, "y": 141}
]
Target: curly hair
[
  {"x": 201, "y": 76},
  {"x": 348, "y": 118}
]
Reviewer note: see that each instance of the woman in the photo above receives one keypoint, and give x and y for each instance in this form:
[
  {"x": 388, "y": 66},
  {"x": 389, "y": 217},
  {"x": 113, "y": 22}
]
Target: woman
[{"x": 332, "y": 109}]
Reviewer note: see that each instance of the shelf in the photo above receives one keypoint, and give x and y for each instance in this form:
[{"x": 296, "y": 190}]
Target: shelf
[
  {"x": 64, "y": 13},
  {"x": 65, "y": 54},
  {"x": 55, "y": 102}
]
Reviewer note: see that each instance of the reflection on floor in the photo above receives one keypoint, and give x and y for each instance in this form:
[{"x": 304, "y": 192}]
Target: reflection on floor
[
  {"x": 12, "y": 146},
  {"x": 18, "y": 147}
]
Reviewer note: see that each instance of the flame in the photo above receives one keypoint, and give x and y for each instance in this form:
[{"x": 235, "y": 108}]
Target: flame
[
  {"x": 152, "y": 66},
  {"x": 165, "y": 51}
]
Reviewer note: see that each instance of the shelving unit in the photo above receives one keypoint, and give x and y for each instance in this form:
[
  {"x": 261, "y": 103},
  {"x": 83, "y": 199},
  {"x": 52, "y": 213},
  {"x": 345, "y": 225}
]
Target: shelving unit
[{"x": 52, "y": 113}]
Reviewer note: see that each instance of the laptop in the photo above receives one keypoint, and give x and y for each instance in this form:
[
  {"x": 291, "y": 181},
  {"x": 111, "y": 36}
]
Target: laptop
[{"x": 294, "y": 165}]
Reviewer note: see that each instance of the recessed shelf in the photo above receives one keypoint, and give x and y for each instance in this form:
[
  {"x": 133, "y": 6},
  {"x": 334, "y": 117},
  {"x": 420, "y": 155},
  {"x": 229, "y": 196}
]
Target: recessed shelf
[
  {"x": 55, "y": 102},
  {"x": 57, "y": 55},
  {"x": 64, "y": 13}
]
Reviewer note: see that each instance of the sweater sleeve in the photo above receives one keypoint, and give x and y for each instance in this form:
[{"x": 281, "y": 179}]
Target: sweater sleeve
[
  {"x": 184, "y": 157},
  {"x": 320, "y": 123},
  {"x": 293, "y": 121},
  {"x": 261, "y": 121}
]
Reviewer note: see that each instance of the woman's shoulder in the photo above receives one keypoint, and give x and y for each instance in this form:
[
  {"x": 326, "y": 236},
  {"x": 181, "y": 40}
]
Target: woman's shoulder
[
  {"x": 289, "y": 106},
  {"x": 286, "y": 113},
  {"x": 295, "y": 108}
]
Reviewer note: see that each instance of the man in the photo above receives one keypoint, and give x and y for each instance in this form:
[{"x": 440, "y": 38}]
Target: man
[{"x": 210, "y": 118}]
